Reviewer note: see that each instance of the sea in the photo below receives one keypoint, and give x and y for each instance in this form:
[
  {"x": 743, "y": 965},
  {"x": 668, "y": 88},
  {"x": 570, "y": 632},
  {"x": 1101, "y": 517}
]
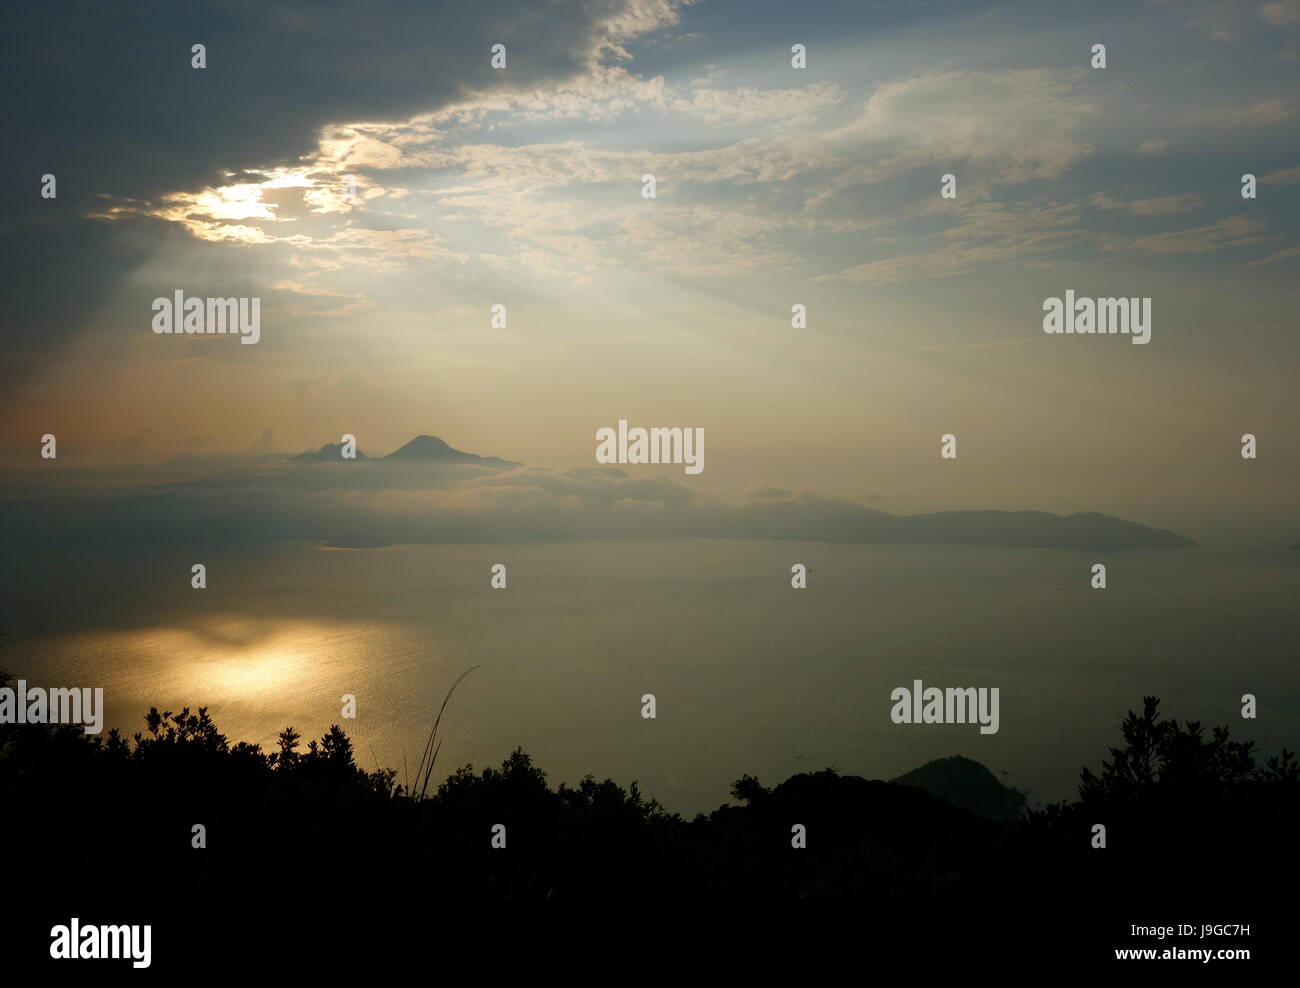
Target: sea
[{"x": 749, "y": 675}]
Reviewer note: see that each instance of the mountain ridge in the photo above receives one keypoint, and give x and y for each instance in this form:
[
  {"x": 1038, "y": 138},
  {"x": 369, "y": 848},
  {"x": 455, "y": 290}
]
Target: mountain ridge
[
  {"x": 806, "y": 517},
  {"x": 328, "y": 453},
  {"x": 851, "y": 522},
  {"x": 423, "y": 448}
]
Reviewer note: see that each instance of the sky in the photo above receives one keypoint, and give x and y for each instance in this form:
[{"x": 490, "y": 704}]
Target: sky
[{"x": 364, "y": 170}]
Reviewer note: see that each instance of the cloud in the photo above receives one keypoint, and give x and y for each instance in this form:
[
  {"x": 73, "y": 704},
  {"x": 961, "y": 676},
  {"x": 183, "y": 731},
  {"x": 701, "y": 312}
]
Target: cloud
[
  {"x": 354, "y": 302},
  {"x": 1163, "y": 206},
  {"x": 551, "y": 202},
  {"x": 1215, "y": 21},
  {"x": 745, "y": 104},
  {"x": 1283, "y": 176},
  {"x": 990, "y": 232},
  {"x": 1281, "y": 255},
  {"x": 512, "y": 189},
  {"x": 1281, "y": 12},
  {"x": 278, "y": 74},
  {"x": 1233, "y": 231},
  {"x": 1270, "y": 111},
  {"x": 911, "y": 267},
  {"x": 1020, "y": 124}
]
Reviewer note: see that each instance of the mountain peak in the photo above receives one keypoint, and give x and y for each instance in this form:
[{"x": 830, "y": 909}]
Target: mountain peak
[
  {"x": 432, "y": 449},
  {"x": 430, "y": 443}
]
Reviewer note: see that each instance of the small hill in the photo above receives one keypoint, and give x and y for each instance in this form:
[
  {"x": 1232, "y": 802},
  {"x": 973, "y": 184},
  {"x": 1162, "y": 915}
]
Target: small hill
[{"x": 966, "y": 783}]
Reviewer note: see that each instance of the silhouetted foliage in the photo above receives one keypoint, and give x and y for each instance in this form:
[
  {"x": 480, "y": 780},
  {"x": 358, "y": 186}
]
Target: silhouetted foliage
[{"x": 1179, "y": 802}]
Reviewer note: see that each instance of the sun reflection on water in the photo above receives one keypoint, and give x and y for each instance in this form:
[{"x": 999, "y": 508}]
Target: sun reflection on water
[{"x": 233, "y": 658}]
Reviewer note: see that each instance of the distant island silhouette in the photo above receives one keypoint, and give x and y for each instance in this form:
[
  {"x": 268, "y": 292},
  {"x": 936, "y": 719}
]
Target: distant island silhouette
[
  {"x": 448, "y": 495},
  {"x": 421, "y": 449},
  {"x": 812, "y": 519}
]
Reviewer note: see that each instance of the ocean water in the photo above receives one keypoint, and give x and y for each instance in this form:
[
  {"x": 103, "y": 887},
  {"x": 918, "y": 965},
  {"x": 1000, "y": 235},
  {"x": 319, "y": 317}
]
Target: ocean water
[{"x": 750, "y": 675}]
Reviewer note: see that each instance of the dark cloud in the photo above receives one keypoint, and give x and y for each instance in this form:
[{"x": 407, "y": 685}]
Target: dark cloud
[{"x": 103, "y": 96}]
